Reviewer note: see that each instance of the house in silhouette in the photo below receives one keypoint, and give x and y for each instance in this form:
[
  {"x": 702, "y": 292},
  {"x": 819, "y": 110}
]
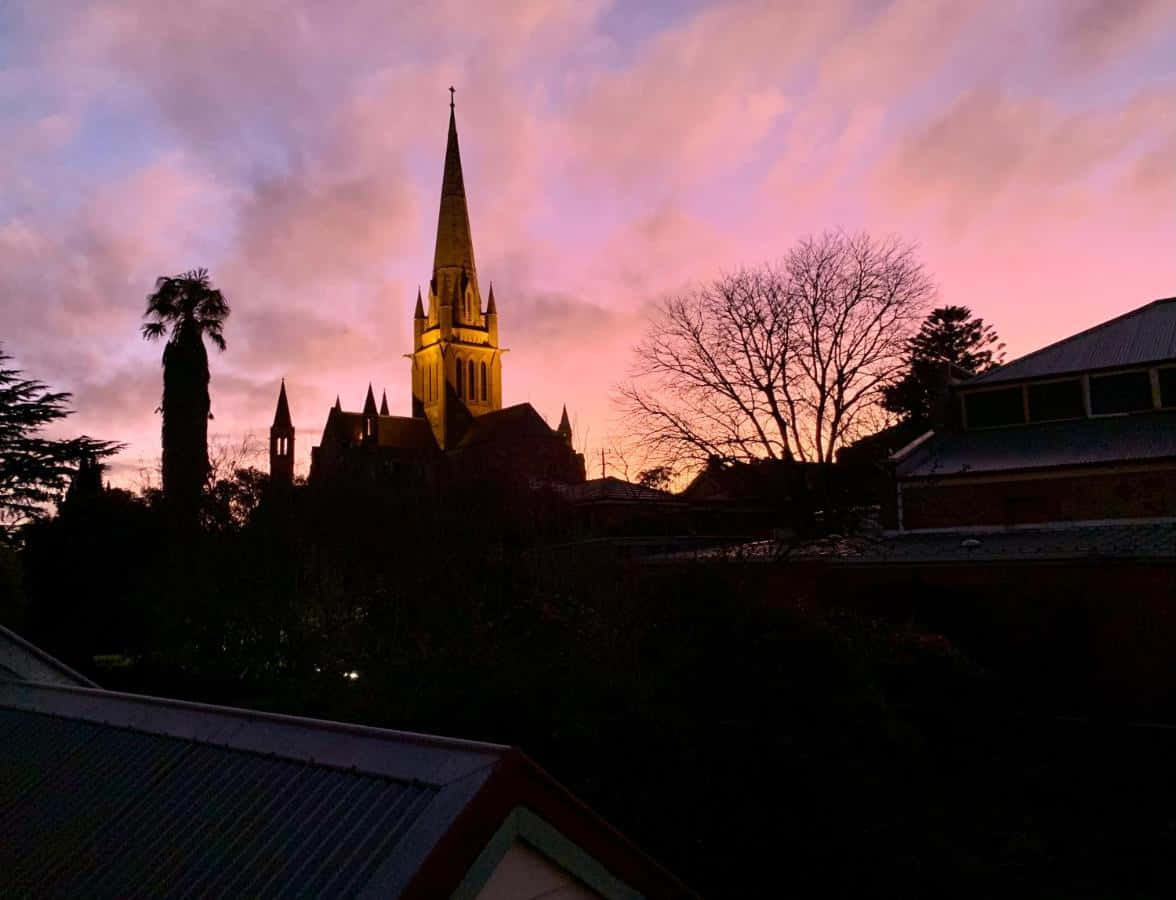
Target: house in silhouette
[
  {"x": 106, "y": 794},
  {"x": 456, "y": 418},
  {"x": 1081, "y": 432}
]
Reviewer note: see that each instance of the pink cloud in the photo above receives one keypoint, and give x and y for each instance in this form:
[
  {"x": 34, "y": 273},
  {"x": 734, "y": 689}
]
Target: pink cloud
[{"x": 296, "y": 151}]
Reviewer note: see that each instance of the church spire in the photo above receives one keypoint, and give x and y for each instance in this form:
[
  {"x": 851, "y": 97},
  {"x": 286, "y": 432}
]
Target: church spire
[
  {"x": 491, "y": 306},
  {"x": 282, "y": 413},
  {"x": 565, "y": 427},
  {"x": 369, "y": 404},
  {"x": 384, "y": 405},
  {"x": 420, "y": 308},
  {"x": 281, "y": 443},
  {"x": 455, "y": 247}
]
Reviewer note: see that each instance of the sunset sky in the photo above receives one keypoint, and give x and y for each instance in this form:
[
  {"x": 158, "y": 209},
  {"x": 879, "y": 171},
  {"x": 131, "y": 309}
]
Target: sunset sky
[{"x": 613, "y": 152}]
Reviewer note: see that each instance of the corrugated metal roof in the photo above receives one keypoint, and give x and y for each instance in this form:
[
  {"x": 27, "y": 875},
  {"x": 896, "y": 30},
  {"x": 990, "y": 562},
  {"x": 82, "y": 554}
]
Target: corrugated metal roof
[
  {"x": 110, "y": 795},
  {"x": 1135, "y": 438},
  {"x": 119, "y": 795},
  {"x": 1144, "y": 335},
  {"x": 1154, "y": 541},
  {"x": 92, "y": 810}
]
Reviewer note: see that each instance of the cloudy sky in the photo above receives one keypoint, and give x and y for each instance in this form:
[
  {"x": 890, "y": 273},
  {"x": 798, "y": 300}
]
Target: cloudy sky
[{"x": 613, "y": 151}]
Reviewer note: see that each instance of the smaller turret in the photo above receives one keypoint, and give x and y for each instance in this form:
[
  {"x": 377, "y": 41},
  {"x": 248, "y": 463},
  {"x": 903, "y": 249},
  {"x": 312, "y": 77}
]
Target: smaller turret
[
  {"x": 565, "y": 427},
  {"x": 369, "y": 416},
  {"x": 282, "y": 442},
  {"x": 492, "y": 317},
  {"x": 418, "y": 321},
  {"x": 384, "y": 404}
]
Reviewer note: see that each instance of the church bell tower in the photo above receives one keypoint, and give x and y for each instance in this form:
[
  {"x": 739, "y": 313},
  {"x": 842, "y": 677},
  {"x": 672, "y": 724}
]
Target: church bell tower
[
  {"x": 281, "y": 444},
  {"x": 456, "y": 359}
]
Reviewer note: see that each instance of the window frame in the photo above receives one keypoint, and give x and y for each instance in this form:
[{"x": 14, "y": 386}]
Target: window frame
[
  {"x": 1083, "y": 394},
  {"x": 1110, "y": 373},
  {"x": 964, "y": 395},
  {"x": 1157, "y": 388}
]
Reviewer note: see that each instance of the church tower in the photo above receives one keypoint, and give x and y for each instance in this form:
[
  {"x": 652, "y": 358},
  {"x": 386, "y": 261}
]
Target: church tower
[
  {"x": 281, "y": 447},
  {"x": 456, "y": 360}
]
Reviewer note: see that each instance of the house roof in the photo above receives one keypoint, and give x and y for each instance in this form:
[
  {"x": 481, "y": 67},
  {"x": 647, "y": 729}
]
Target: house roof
[
  {"x": 1142, "y": 336},
  {"x": 1144, "y": 437},
  {"x": 758, "y": 481},
  {"x": 1135, "y": 541},
  {"x": 22, "y": 661},
  {"x": 107, "y": 794},
  {"x": 614, "y": 490}
]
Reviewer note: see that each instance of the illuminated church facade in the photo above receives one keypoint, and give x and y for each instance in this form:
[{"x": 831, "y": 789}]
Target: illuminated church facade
[{"x": 457, "y": 417}]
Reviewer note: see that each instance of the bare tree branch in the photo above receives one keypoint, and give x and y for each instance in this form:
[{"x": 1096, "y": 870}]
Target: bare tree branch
[{"x": 780, "y": 361}]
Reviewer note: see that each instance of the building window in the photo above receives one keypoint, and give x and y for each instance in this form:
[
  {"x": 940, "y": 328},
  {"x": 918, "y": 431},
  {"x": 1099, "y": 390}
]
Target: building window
[
  {"x": 484, "y": 382},
  {"x": 1056, "y": 400},
  {"x": 990, "y": 409},
  {"x": 472, "y": 385},
  {"x": 1167, "y": 386},
  {"x": 460, "y": 377},
  {"x": 1125, "y": 392}
]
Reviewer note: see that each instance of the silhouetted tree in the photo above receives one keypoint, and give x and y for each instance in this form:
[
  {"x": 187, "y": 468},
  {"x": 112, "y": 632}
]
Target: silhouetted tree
[
  {"x": 35, "y": 470},
  {"x": 949, "y": 336},
  {"x": 186, "y": 309},
  {"x": 658, "y": 478},
  {"x": 778, "y": 361}
]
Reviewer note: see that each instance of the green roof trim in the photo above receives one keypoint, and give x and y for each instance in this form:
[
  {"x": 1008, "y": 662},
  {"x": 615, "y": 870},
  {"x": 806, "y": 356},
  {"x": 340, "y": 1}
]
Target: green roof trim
[{"x": 523, "y": 825}]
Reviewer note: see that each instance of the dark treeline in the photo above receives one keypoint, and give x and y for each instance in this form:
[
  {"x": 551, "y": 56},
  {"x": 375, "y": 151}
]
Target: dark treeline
[{"x": 733, "y": 726}]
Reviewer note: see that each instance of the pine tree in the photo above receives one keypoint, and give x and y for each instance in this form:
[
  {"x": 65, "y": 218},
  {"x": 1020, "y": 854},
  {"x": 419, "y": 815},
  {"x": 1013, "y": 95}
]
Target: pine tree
[
  {"x": 950, "y": 337},
  {"x": 35, "y": 471}
]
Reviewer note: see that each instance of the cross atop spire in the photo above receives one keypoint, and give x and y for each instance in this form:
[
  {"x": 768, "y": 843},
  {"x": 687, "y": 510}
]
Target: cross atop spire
[{"x": 451, "y": 93}]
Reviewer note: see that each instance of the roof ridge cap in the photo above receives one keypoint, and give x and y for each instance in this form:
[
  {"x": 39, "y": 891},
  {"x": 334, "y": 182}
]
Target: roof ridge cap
[{"x": 356, "y": 728}]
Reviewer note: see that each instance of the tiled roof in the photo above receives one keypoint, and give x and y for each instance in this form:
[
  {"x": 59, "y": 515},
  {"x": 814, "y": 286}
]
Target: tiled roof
[
  {"x": 404, "y": 431},
  {"x": 1134, "y": 438},
  {"x": 1144, "y": 335},
  {"x": 511, "y": 422},
  {"x": 1142, "y": 541},
  {"x": 111, "y": 795}
]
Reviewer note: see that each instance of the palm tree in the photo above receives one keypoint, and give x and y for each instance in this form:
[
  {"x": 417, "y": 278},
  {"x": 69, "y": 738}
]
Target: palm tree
[{"x": 185, "y": 308}]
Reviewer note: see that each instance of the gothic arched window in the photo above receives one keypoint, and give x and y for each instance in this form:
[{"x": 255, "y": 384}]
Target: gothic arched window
[
  {"x": 472, "y": 386},
  {"x": 484, "y": 393},
  {"x": 460, "y": 377}
]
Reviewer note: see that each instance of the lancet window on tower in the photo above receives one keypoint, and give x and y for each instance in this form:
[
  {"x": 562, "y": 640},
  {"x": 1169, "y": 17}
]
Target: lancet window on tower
[
  {"x": 460, "y": 377},
  {"x": 472, "y": 383},
  {"x": 483, "y": 382}
]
